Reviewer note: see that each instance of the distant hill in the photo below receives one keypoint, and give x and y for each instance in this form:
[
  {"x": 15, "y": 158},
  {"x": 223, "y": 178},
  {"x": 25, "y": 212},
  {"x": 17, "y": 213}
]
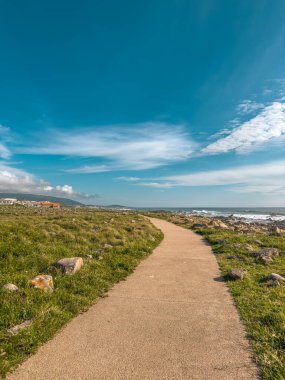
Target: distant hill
[{"x": 35, "y": 197}]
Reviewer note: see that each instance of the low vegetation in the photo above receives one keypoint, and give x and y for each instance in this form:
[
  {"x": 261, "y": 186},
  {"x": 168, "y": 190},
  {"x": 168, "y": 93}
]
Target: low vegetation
[
  {"x": 33, "y": 239},
  {"x": 260, "y": 302}
]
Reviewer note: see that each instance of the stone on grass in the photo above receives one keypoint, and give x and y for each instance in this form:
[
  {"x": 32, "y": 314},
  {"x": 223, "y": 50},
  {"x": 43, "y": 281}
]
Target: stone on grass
[
  {"x": 11, "y": 287},
  {"x": 108, "y": 246},
  {"x": 267, "y": 252},
  {"x": 265, "y": 259},
  {"x": 274, "y": 230},
  {"x": 89, "y": 256},
  {"x": 276, "y": 277},
  {"x": 249, "y": 248},
  {"x": 237, "y": 274},
  {"x": 18, "y": 328},
  {"x": 69, "y": 265},
  {"x": 43, "y": 282}
]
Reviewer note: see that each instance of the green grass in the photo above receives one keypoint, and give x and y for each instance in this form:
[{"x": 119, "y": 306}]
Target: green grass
[
  {"x": 261, "y": 307},
  {"x": 32, "y": 239}
]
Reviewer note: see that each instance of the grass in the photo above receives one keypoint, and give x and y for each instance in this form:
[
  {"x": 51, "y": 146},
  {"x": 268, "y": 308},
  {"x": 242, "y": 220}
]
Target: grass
[
  {"x": 32, "y": 239},
  {"x": 261, "y": 307}
]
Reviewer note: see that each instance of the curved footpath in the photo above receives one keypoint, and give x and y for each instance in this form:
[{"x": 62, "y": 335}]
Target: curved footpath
[{"x": 171, "y": 319}]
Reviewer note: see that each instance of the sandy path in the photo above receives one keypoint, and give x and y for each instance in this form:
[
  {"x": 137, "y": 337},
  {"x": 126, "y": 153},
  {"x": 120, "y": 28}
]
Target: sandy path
[{"x": 171, "y": 319}]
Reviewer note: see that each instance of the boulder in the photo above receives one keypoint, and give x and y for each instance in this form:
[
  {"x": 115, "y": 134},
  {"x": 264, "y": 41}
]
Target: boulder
[
  {"x": 69, "y": 265},
  {"x": 11, "y": 287},
  {"x": 43, "y": 282},
  {"x": 18, "y": 328},
  {"x": 237, "y": 274},
  {"x": 265, "y": 259},
  {"x": 274, "y": 230},
  {"x": 275, "y": 277},
  {"x": 267, "y": 252},
  {"x": 199, "y": 225}
]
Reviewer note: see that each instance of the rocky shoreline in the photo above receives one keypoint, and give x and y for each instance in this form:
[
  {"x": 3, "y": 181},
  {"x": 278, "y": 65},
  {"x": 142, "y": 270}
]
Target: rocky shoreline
[{"x": 240, "y": 225}]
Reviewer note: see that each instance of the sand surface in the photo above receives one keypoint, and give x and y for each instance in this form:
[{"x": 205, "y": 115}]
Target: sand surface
[{"x": 171, "y": 319}]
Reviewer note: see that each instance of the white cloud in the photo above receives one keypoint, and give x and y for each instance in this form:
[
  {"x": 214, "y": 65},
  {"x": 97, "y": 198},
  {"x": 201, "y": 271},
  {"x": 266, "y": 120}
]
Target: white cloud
[
  {"x": 248, "y": 106},
  {"x": 267, "y": 126},
  {"x": 134, "y": 147},
  {"x": 262, "y": 178},
  {"x": 19, "y": 181}
]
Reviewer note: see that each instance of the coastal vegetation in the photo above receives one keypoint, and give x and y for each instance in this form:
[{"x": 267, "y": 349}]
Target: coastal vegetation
[
  {"x": 32, "y": 240},
  {"x": 252, "y": 263}
]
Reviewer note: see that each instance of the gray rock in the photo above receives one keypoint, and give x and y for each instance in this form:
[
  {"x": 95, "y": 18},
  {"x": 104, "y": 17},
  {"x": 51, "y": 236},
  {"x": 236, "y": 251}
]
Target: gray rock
[
  {"x": 89, "y": 256},
  {"x": 237, "y": 274},
  {"x": 265, "y": 259},
  {"x": 108, "y": 246},
  {"x": 11, "y": 287},
  {"x": 18, "y": 328},
  {"x": 70, "y": 265},
  {"x": 249, "y": 248},
  {"x": 275, "y": 277},
  {"x": 271, "y": 252}
]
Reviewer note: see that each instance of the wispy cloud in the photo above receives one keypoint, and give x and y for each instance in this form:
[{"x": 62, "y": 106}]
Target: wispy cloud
[
  {"x": 5, "y": 136},
  {"x": 262, "y": 178},
  {"x": 134, "y": 147},
  {"x": 248, "y": 106},
  {"x": 129, "y": 179},
  {"x": 266, "y": 127}
]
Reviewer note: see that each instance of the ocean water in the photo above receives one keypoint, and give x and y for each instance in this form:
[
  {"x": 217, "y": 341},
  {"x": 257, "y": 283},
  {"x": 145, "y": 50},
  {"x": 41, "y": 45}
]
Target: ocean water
[{"x": 249, "y": 214}]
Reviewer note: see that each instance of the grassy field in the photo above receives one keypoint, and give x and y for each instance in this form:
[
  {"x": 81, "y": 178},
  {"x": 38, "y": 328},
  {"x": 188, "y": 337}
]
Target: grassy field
[
  {"x": 261, "y": 307},
  {"x": 32, "y": 239}
]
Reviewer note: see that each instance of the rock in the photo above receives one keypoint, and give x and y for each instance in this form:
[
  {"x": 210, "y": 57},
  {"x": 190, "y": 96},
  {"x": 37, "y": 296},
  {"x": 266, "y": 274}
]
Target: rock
[
  {"x": 237, "y": 274},
  {"x": 258, "y": 242},
  {"x": 11, "y": 287},
  {"x": 69, "y": 265},
  {"x": 89, "y": 256},
  {"x": 199, "y": 225},
  {"x": 274, "y": 230},
  {"x": 267, "y": 252},
  {"x": 249, "y": 248},
  {"x": 108, "y": 246},
  {"x": 18, "y": 328},
  {"x": 265, "y": 259},
  {"x": 100, "y": 258},
  {"x": 3, "y": 352},
  {"x": 275, "y": 277},
  {"x": 133, "y": 221},
  {"x": 223, "y": 225},
  {"x": 43, "y": 282}
]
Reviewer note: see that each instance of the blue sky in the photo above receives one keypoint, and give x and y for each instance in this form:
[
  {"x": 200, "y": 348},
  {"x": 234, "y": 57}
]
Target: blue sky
[{"x": 154, "y": 103}]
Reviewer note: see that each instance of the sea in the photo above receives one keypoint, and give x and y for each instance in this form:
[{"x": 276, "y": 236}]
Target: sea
[{"x": 248, "y": 214}]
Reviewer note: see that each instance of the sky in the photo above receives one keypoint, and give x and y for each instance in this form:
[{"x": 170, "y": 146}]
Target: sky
[{"x": 165, "y": 103}]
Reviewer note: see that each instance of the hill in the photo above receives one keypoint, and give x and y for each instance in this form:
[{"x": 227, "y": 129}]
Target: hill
[{"x": 35, "y": 197}]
